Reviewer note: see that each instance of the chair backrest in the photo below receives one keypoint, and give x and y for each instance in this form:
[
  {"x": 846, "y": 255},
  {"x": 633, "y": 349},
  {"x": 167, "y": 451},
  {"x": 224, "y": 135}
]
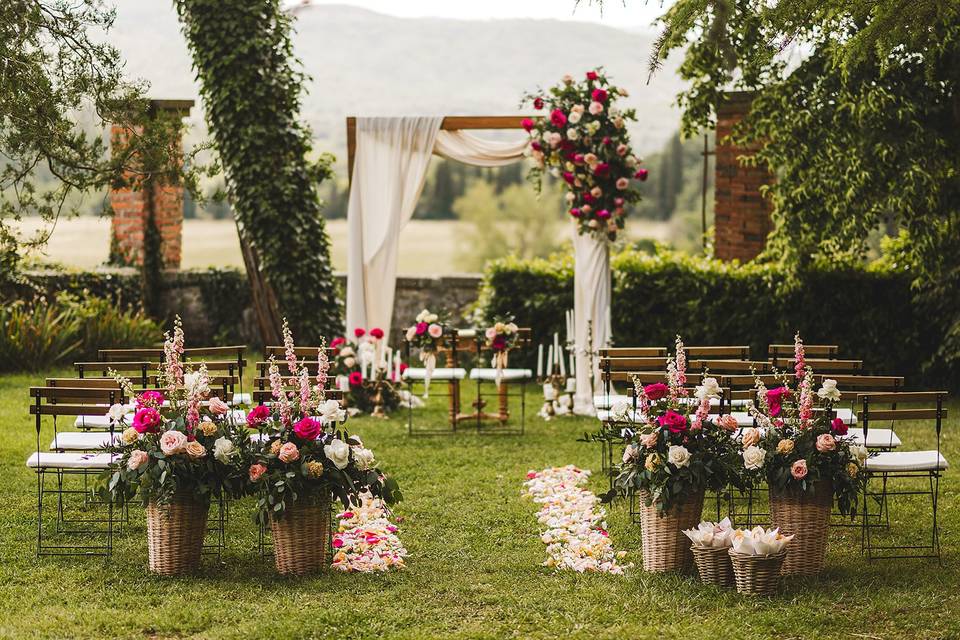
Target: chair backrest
[
  {"x": 851, "y": 386},
  {"x": 71, "y": 401},
  {"x": 152, "y": 354},
  {"x": 824, "y": 365},
  {"x": 889, "y": 407},
  {"x": 721, "y": 367},
  {"x": 727, "y": 352},
  {"x": 263, "y": 396},
  {"x": 634, "y": 352},
  {"x": 781, "y": 351},
  {"x": 649, "y": 377},
  {"x": 307, "y": 353}
]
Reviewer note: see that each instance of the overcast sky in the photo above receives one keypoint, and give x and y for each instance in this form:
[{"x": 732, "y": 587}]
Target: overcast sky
[{"x": 616, "y": 13}]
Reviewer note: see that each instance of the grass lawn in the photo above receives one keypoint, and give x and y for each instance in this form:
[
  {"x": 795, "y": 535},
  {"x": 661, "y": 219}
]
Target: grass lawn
[{"x": 474, "y": 566}]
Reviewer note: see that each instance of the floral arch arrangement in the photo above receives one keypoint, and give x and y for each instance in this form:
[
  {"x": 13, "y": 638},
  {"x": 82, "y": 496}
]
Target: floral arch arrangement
[{"x": 583, "y": 139}]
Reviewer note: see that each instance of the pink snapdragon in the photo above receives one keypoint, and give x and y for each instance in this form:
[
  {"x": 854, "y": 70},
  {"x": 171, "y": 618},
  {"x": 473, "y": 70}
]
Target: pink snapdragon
[
  {"x": 323, "y": 368},
  {"x": 798, "y": 355},
  {"x": 276, "y": 389},
  {"x": 306, "y": 393},
  {"x": 172, "y": 351},
  {"x": 289, "y": 349},
  {"x": 806, "y": 399},
  {"x": 702, "y": 412}
]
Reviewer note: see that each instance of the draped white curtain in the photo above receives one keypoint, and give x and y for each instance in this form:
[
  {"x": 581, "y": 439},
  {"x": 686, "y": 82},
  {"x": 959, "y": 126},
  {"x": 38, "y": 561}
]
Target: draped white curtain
[
  {"x": 591, "y": 304},
  {"x": 390, "y": 165}
]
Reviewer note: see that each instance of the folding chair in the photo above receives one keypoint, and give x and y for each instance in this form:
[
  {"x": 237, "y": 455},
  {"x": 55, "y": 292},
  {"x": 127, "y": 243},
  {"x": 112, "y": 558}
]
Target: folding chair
[
  {"x": 65, "y": 466},
  {"x": 507, "y": 376},
  {"x": 721, "y": 352},
  {"x": 607, "y": 397},
  {"x": 452, "y": 349},
  {"x": 914, "y": 467},
  {"x": 882, "y": 438},
  {"x": 827, "y": 366},
  {"x": 778, "y": 353}
]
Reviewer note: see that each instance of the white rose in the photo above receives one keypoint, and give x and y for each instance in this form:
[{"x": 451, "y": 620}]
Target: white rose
[
  {"x": 620, "y": 410},
  {"x": 349, "y": 362},
  {"x": 631, "y": 161},
  {"x": 338, "y": 452},
  {"x": 859, "y": 453},
  {"x": 753, "y": 457},
  {"x": 330, "y": 411},
  {"x": 593, "y": 127},
  {"x": 573, "y": 134},
  {"x": 196, "y": 384},
  {"x": 431, "y": 317},
  {"x": 574, "y": 117},
  {"x": 423, "y": 314},
  {"x": 678, "y": 456},
  {"x": 346, "y": 352},
  {"x": 364, "y": 458},
  {"x": 709, "y": 389},
  {"x": 224, "y": 449},
  {"x": 829, "y": 391},
  {"x": 116, "y": 413}
]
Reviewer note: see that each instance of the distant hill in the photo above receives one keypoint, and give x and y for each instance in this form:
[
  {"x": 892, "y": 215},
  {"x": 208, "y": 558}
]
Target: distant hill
[{"x": 365, "y": 63}]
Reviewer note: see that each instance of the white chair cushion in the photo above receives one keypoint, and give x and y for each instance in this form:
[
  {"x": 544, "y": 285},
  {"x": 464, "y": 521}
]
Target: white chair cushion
[
  {"x": 877, "y": 438},
  {"x": 81, "y": 441},
  {"x": 889, "y": 461},
  {"x": 69, "y": 460},
  {"x": 94, "y": 422},
  {"x": 507, "y": 374},
  {"x": 242, "y": 398},
  {"x": 441, "y": 373},
  {"x": 603, "y": 415},
  {"x": 603, "y": 401}
]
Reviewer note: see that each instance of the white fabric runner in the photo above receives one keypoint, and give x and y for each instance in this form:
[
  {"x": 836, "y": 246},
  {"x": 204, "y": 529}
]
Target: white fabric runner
[
  {"x": 591, "y": 300},
  {"x": 390, "y": 165}
]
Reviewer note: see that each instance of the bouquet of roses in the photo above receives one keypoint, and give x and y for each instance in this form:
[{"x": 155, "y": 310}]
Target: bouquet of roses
[
  {"x": 500, "y": 338},
  {"x": 584, "y": 140},
  {"x": 673, "y": 455},
  {"x": 799, "y": 441},
  {"x": 181, "y": 438},
  {"x": 365, "y": 367},
  {"x": 303, "y": 451},
  {"x": 426, "y": 334}
]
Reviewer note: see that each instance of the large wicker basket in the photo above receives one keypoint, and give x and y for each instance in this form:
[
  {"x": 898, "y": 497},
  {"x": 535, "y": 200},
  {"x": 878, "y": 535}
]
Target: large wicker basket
[
  {"x": 665, "y": 548},
  {"x": 301, "y": 537},
  {"x": 807, "y": 517},
  {"x": 713, "y": 565},
  {"x": 757, "y": 575},
  {"x": 175, "y": 533}
]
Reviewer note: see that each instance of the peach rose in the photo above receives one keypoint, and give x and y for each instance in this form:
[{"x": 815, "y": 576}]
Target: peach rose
[
  {"x": 208, "y": 428},
  {"x": 275, "y": 447},
  {"x": 218, "y": 407},
  {"x": 172, "y": 442},
  {"x": 314, "y": 469},
  {"x": 137, "y": 459},
  {"x": 288, "y": 452},
  {"x": 650, "y": 440},
  {"x": 256, "y": 470},
  {"x": 785, "y": 447},
  {"x": 129, "y": 435},
  {"x": 195, "y": 450},
  {"x": 727, "y": 423},
  {"x": 826, "y": 443},
  {"x": 852, "y": 469},
  {"x": 622, "y": 183},
  {"x": 652, "y": 462},
  {"x": 435, "y": 330},
  {"x": 799, "y": 469},
  {"x": 750, "y": 437}
]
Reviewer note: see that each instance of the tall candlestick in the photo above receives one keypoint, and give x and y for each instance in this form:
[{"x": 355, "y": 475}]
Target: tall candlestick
[
  {"x": 539, "y": 360},
  {"x": 556, "y": 346},
  {"x": 572, "y": 364},
  {"x": 563, "y": 367},
  {"x": 550, "y": 361}
]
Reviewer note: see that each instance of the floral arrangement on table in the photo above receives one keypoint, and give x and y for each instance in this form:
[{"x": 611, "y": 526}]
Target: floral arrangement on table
[
  {"x": 673, "y": 456},
  {"x": 366, "y": 541},
  {"x": 799, "y": 442},
  {"x": 181, "y": 441},
  {"x": 303, "y": 451},
  {"x": 584, "y": 141},
  {"x": 426, "y": 335},
  {"x": 367, "y": 371},
  {"x": 576, "y": 534},
  {"x": 500, "y": 338}
]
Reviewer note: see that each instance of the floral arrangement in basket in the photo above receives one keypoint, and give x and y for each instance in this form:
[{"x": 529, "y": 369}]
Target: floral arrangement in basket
[
  {"x": 799, "y": 442},
  {"x": 367, "y": 371},
  {"x": 426, "y": 335},
  {"x": 500, "y": 338},
  {"x": 303, "y": 451},
  {"x": 181, "y": 438},
  {"x": 672, "y": 455},
  {"x": 584, "y": 141}
]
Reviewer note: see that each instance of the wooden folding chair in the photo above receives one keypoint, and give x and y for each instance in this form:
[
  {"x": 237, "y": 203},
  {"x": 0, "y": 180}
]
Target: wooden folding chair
[
  {"x": 507, "y": 376},
  {"x": 778, "y": 353},
  {"x": 453, "y": 347}
]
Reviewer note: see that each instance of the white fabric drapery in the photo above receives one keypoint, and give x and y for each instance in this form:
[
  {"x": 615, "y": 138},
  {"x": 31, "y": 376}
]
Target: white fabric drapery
[
  {"x": 390, "y": 164},
  {"x": 591, "y": 304}
]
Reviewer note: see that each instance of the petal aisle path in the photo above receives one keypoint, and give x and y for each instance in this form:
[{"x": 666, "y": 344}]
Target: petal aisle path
[
  {"x": 576, "y": 534},
  {"x": 366, "y": 540}
]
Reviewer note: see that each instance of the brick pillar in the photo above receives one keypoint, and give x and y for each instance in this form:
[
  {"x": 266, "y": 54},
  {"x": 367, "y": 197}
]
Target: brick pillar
[
  {"x": 741, "y": 214},
  {"x": 132, "y": 206}
]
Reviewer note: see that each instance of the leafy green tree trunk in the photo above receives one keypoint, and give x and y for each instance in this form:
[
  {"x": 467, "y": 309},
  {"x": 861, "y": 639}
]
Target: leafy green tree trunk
[{"x": 251, "y": 86}]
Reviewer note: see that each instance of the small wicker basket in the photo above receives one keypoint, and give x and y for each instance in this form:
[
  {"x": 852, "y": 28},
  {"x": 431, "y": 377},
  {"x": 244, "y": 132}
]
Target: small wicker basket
[
  {"x": 175, "y": 533},
  {"x": 301, "y": 537},
  {"x": 665, "y": 547},
  {"x": 713, "y": 565},
  {"x": 807, "y": 517},
  {"x": 757, "y": 575}
]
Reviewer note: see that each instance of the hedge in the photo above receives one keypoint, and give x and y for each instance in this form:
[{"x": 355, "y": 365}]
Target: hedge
[{"x": 869, "y": 312}]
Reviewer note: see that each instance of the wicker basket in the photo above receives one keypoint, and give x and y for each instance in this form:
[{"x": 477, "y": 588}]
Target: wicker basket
[
  {"x": 808, "y": 518},
  {"x": 175, "y": 533},
  {"x": 713, "y": 565},
  {"x": 665, "y": 548},
  {"x": 301, "y": 537},
  {"x": 757, "y": 575}
]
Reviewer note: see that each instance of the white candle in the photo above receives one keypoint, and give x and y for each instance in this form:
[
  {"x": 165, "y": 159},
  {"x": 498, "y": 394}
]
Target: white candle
[
  {"x": 566, "y": 321},
  {"x": 572, "y": 362},
  {"x": 396, "y": 361},
  {"x": 550, "y": 361},
  {"x": 563, "y": 367},
  {"x": 556, "y": 345},
  {"x": 540, "y": 360}
]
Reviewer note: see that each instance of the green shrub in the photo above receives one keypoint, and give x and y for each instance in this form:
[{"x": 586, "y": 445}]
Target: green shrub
[
  {"x": 869, "y": 312},
  {"x": 104, "y": 324}
]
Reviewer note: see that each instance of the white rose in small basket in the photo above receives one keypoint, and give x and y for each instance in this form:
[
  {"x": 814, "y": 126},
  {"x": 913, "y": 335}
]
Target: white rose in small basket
[{"x": 717, "y": 535}]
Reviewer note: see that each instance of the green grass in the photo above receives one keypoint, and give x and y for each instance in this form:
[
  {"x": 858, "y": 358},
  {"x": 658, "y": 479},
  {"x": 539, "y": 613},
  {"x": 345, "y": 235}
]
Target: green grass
[{"x": 474, "y": 566}]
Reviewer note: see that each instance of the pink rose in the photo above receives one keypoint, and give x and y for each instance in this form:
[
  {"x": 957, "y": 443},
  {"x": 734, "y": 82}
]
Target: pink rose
[
  {"x": 826, "y": 443},
  {"x": 622, "y": 183},
  {"x": 150, "y": 399},
  {"x": 603, "y": 214},
  {"x": 567, "y": 78},
  {"x": 218, "y": 407},
  {"x": 622, "y": 149},
  {"x": 673, "y": 421},
  {"x": 592, "y": 75},
  {"x": 799, "y": 469},
  {"x": 596, "y": 192},
  {"x": 359, "y": 332},
  {"x": 618, "y": 202},
  {"x": 147, "y": 420},
  {"x": 257, "y": 416},
  {"x": 421, "y": 328},
  {"x": 599, "y": 95},
  {"x": 527, "y": 124},
  {"x": 172, "y": 442},
  {"x": 538, "y": 103},
  {"x": 595, "y": 108},
  {"x": 750, "y": 436},
  {"x": 839, "y": 427},
  {"x": 728, "y": 423},
  {"x": 435, "y": 330},
  {"x": 641, "y": 175},
  {"x": 490, "y": 333},
  {"x": 376, "y": 333},
  {"x": 650, "y": 440},
  {"x": 575, "y": 212},
  {"x": 568, "y": 177},
  {"x": 288, "y": 452},
  {"x": 256, "y": 470},
  {"x": 591, "y": 159},
  {"x": 601, "y": 169},
  {"x": 558, "y": 118},
  {"x": 308, "y": 428},
  {"x": 137, "y": 459},
  {"x": 655, "y": 391}
]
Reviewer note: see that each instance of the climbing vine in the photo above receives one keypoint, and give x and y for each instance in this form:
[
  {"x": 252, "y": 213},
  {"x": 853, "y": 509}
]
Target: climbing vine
[{"x": 251, "y": 85}]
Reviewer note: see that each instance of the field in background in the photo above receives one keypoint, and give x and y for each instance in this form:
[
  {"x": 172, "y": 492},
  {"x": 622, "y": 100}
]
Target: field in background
[{"x": 426, "y": 246}]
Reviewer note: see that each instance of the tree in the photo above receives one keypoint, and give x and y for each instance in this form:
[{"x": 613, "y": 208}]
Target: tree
[
  {"x": 251, "y": 84},
  {"x": 53, "y": 69}
]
